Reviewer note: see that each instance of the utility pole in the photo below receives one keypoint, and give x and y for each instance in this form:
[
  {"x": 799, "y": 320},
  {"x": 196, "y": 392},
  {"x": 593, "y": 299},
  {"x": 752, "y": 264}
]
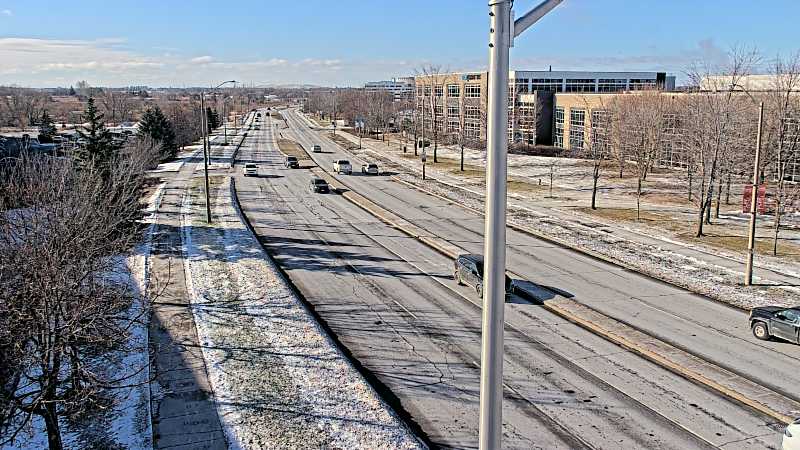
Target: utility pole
[
  {"x": 207, "y": 147},
  {"x": 224, "y": 119},
  {"x": 501, "y": 34},
  {"x": 751, "y": 239},
  {"x": 206, "y": 152}
]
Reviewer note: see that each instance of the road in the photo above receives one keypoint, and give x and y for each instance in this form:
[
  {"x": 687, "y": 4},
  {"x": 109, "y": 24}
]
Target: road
[
  {"x": 714, "y": 331},
  {"x": 391, "y": 303}
]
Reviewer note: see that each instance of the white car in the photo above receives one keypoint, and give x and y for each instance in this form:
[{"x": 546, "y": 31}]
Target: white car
[
  {"x": 791, "y": 436},
  {"x": 342, "y": 166},
  {"x": 250, "y": 170},
  {"x": 369, "y": 169},
  {"x": 317, "y": 148}
]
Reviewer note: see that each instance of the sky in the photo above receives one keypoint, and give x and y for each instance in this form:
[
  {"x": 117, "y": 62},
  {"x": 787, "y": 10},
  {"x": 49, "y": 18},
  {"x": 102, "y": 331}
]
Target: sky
[{"x": 345, "y": 43}]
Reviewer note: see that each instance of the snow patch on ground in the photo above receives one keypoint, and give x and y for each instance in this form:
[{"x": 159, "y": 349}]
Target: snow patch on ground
[
  {"x": 278, "y": 379},
  {"x": 128, "y": 425}
]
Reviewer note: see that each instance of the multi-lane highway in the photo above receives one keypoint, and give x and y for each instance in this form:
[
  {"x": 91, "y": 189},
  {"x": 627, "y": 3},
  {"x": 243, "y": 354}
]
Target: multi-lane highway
[
  {"x": 714, "y": 331},
  {"x": 392, "y": 304}
]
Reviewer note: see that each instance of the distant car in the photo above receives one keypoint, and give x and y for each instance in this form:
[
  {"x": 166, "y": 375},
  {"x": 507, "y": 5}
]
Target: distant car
[
  {"x": 369, "y": 169},
  {"x": 319, "y": 185},
  {"x": 250, "y": 170},
  {"x": 342, "y": 166},
  {"x": 257, "y": 127},
  {"x": 317, "y": 148},
  {"x": 791, "y": 436},
  {"x": 258, "y": 114},
  {"x": 468, "y": 269},
  {"x": 774, "y": 321},
  {"x": 291, "y": 162}
]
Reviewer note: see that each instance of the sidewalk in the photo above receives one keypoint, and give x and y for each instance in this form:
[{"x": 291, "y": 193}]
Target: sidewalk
[{"x": 708, "y": 271}]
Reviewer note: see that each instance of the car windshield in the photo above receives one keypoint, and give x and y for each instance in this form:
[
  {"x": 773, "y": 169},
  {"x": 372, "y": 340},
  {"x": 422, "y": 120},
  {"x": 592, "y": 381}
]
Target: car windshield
[
  {"x": 291, "y": 158},
  {"x": 320, "y": 182},
  {"x": 344, "y": 161},
  {"x": 250, "y": 166},
  {"x": 372, "y": 166}
]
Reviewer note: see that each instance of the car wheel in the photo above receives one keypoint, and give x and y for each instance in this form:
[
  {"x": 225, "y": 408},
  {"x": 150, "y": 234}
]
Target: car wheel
[
  {"x": 479, "y": 290},
  {"x": 760, "y": 331},
  {"x": 457, "y": 277}
]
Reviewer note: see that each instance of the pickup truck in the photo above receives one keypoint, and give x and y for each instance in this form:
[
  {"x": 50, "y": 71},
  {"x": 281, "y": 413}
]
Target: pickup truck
[{"x": 342, "y": 166}]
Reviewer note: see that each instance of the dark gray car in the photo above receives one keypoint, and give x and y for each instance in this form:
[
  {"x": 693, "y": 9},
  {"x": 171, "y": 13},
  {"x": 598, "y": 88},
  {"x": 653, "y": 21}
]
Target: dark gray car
[
  {"x": 774, "y": 321},
  {"x": 468, "y": 269}
]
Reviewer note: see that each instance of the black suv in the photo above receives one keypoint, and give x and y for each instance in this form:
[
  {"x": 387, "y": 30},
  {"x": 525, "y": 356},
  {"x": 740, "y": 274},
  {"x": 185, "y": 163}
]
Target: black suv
[
  {"x": 319, "y": 185},
  {"x": 774, "y": 321},
  {"x": 291, "y": 162},
  {"x": 468, "y": 269}
]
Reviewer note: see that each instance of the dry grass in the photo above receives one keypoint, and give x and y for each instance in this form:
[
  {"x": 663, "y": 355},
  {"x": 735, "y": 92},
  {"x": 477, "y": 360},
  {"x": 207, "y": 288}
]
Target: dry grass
[
  {"x": 344, "y": 143},
  {"x": 291, "y": 148},
  {"x": 725, "y": 237}
]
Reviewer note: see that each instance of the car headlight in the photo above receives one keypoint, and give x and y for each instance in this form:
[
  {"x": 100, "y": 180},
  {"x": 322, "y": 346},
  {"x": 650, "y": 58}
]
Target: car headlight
[{"x": 787, "y": 432}]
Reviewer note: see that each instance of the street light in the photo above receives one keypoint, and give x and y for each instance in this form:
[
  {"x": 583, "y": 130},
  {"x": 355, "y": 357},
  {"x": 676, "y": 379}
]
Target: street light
[
  {"x": 501, "y": 35},
  {"x": 206, "y": 147}
]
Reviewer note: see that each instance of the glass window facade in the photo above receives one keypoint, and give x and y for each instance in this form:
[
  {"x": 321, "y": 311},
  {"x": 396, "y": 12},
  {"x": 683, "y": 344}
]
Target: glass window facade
[
  {"x": 577, "y": 119},
  {"x": 453, "y": 90},
  {"x": 558, "y": 134},
  {"x": 472, "y": 90}
]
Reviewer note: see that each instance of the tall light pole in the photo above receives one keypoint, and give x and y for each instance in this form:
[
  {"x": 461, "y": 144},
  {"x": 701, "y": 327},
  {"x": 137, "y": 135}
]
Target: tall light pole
[
  {"x": 501, "y": 34},
  {"x": 751, "y": 239},
  {"x": 207, "y": 147}
]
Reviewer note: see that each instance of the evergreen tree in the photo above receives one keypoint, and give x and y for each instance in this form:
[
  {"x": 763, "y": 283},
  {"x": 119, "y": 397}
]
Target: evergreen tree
[
  {"x": 46, "y": 129},
  {"x": 213, "y": 118},
  {"x": 72, "y": 91},
  {"x": 155, "y": 126},
  {"x": 99, "y": 147}
]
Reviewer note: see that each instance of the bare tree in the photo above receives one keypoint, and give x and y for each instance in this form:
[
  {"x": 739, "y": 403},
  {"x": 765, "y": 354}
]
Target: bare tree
[
  {"x": 782, "y": 114},
  {"x": 719, "y": 120},
  {"x": 640, "y": 122},
  {"x": 61, "y": 313},
  {"x": 117, "y": 105}
]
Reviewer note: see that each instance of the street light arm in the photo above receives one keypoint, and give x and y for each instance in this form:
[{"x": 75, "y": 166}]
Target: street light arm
[
  {"x": 225, "y": 82},
  {"x": 533, "y": 16}
]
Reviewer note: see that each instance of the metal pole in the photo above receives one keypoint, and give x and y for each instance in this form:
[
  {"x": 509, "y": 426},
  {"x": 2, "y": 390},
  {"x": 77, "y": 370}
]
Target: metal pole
[
  {"x": 224, "y": 120},
  {"x": 206, "y": 154},
  {"x": 751, "y": 239},
  {"x": 491, "y": 393}
]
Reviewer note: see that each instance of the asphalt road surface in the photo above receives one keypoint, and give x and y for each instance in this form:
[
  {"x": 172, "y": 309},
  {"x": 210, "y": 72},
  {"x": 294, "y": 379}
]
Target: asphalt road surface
[
  {"x": 392, "y": 304},
  {"x": 711, "y": 330}
]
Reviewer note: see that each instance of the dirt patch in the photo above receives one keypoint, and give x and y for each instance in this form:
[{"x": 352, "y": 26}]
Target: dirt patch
[
  {"x": 344, "y": 143},
  {"x": 291, "y": 148}
]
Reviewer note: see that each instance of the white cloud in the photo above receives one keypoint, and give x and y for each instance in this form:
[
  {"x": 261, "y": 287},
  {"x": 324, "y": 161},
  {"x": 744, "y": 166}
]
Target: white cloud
[
  {"x": 107, "y": 62},
  {"x": 6, "y": 12},
  {"x": 202, "y": 59}
]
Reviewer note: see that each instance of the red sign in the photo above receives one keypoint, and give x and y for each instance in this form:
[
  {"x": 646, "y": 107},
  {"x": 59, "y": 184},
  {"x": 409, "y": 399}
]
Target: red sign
[{"x": 761, "y": 200}]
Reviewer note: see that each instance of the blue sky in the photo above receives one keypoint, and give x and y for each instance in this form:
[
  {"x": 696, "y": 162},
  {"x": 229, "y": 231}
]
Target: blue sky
[{"x": 177, "y": 43}]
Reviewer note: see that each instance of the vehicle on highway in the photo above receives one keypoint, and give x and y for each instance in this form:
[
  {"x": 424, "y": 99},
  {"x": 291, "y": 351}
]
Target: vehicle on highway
[
  {"x": 317, "y": 148},
  {"x": 258, "y": 115},
  {"x": 250, "y": 169},
  {"x": 342, "y": 166},
  {"x": 791, "y": 436},
  {"x": 774, "y": 321},
  {"x": 369, "y": 169},
  {"x": 291, "y": 162},
  {"x": 468, "y": 269},
  {"x": 319, "y": 185},
  {"x": 257, "y": 127}
]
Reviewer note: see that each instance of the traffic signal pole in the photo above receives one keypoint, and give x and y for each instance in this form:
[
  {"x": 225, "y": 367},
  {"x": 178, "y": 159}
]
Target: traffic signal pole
[{"x": 501, "y": 34}]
